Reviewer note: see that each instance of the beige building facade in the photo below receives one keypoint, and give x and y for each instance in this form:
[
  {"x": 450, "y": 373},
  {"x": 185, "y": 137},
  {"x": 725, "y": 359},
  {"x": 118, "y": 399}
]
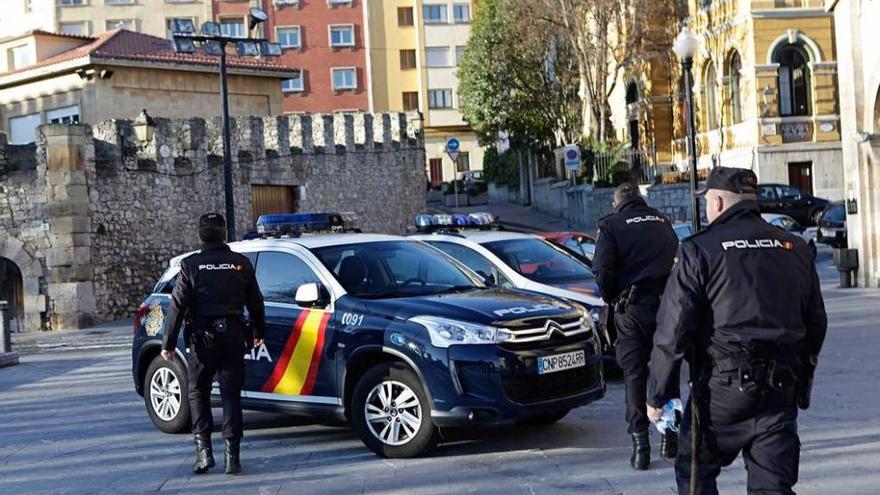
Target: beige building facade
[
  {"x": 117, "y": 74},
  {"x": 856, "y": 23},
  {"x": 89, "y": 17}
]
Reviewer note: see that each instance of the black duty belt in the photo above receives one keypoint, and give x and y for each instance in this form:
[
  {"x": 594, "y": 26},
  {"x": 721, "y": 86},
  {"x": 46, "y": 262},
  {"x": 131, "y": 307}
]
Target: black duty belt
[{"x": 754, "y": 375}]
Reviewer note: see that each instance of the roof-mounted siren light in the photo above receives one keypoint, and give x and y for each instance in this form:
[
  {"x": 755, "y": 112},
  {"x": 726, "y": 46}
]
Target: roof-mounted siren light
[
  {"x": 481, "y": 219},
  {"x": 442, "y": 220},
  {"x": 424, "y": 222},
  {"x": 460, "y": 220},
  {"x": 300, "y": 223}
]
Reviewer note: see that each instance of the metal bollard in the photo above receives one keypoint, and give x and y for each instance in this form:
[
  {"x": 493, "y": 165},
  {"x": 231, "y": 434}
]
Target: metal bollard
[{"x": 5, "y": 336}]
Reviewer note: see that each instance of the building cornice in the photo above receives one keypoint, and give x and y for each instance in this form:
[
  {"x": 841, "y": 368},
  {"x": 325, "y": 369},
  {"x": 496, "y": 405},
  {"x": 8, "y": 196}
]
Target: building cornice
[{"x": 789, "y": 13}]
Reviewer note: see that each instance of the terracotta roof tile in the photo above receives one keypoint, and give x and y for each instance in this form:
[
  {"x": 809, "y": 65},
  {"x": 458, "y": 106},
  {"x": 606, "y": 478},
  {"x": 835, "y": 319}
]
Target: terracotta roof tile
[{"x": 128, "y": 45}]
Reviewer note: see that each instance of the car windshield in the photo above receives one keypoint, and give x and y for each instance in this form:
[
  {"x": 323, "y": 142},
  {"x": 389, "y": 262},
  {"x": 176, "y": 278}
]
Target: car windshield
[
  {"x": 389, "y": 269},
  {"x": 539, "y": 260}
]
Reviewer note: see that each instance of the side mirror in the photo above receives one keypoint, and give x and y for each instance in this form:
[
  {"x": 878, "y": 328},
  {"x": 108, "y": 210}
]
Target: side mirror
[{"x": 311, "y": 295}]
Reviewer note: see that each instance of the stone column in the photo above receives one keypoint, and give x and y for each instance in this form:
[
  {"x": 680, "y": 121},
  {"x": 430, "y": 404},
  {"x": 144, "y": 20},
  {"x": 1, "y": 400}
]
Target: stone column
[{"x": 70, "y": 154}]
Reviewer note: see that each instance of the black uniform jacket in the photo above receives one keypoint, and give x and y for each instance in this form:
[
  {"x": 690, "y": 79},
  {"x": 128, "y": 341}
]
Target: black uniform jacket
[
  {"x": 636, "y": 244},
  {"x": 213, "y": 283},
  {"x": 741, "y": 281}
]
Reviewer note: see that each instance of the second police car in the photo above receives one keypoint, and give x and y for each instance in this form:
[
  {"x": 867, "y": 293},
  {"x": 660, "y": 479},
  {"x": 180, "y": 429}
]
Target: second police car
[{"x": 392, "y": 336}]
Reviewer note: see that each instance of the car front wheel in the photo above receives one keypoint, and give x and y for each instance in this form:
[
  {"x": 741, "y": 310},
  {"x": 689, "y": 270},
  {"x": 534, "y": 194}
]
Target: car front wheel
[
  {"x": 165, "y": 395},
  {"x": 391, "y": 414}
]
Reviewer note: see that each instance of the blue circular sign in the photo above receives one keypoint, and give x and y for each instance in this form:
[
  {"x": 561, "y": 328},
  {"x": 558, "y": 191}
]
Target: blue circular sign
[
  {"x": 571, "y": 154},
  {"x": 452, "y": 144}
]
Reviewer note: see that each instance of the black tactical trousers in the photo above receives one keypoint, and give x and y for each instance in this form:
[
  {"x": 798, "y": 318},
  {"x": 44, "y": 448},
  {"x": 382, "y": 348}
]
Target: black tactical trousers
[
  {"x": 226, "y": 361},
  {"x": 635, "y": 337},
  {"x": 763, "y": 428}
]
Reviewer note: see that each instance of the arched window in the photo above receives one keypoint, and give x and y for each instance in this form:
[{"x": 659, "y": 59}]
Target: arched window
[
  {"x": 794, "y": 81},
  {"x": 711, "y": 85},
  {"x": 632, "y": 93},
  {"x": 733, "y": 87}
]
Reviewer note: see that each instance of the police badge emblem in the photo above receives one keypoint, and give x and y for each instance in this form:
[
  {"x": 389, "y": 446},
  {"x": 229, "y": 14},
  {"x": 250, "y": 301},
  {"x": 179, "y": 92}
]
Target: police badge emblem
[{"x": 155, "y": 319}]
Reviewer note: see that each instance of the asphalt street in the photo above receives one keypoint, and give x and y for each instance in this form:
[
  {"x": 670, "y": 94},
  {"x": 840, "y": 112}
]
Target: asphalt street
[{"x": 70, "y": 422}]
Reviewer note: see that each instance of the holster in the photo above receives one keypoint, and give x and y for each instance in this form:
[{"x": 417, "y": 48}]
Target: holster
[
  {"x": 624, "y": 300},
  {"x": 805, "y": 385},
  {"x": 754, "y": 375}
]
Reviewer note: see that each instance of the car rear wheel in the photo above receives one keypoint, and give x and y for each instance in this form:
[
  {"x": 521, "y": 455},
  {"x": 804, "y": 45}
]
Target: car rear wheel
[
  {"x": 391, "y": 414},
  {"x": 165, "y": 395}
]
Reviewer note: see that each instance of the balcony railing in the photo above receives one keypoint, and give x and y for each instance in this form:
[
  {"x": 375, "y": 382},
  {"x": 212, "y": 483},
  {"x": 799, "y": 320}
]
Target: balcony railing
[{"x": 796, "y": 132}]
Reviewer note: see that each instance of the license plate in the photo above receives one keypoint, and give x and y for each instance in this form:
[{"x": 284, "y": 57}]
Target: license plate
[
  {"x": 561, "y": 362},
  {"x": 828, "y": 233}
]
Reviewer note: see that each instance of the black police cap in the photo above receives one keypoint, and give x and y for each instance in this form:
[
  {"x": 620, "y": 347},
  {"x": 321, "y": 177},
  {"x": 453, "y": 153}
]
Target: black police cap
[
  {"x": 735, "y": 180},
  {"x": 212, "y": 221}
]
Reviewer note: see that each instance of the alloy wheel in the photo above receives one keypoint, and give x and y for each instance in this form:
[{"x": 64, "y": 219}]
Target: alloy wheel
[
  {"x": 393, "y": 413},
  {"x": 165, "y": 393}
]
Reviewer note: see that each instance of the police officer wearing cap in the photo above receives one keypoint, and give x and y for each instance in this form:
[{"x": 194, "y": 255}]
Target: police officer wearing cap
[
  {"x": 634, "y": 255},
  {"x": 210, "y": 294},
  {"x": 743, "y": 302}
]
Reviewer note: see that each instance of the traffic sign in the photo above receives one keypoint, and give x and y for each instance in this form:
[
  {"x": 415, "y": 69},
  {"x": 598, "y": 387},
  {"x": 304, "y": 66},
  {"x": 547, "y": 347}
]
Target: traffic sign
[
  {"x": 452, "y": 148},
  {"x": 572, "y": 156}
]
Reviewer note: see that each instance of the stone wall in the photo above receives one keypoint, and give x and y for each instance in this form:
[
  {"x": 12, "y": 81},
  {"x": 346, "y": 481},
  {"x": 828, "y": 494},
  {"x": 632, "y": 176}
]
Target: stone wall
[{"x": 100, "y": 214}]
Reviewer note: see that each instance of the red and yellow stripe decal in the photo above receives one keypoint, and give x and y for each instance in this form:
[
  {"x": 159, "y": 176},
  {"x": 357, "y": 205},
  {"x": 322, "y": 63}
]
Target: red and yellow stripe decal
[{"x": 296, "y": 369}]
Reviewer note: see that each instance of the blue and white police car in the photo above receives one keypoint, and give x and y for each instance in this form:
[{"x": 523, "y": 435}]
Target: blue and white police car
[
  {"x": 515, "y": 260},
  {"x": 389, "y": 334}
]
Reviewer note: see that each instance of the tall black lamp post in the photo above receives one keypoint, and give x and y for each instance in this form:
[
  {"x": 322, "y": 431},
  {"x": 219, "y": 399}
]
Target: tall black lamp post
[
  {"x": 685, "y": 47},
  {"x": 214, "y": 43}
]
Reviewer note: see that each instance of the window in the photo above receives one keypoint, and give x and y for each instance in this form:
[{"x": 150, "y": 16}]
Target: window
[
  {"x": 461, "y": 13},
  {"x": 128, "y": 24},
  {"x": 118, "y": 2},
  {"x": 733, "y": 85},
  {"x": 711, "y": 84},
  {"x": 65, "y": 115},
  {"x": 463, "y": 163},
  {"x": 407, "y": 59},
  {"x": 338, "y": 2},
  {"x": 473, "y": 260},
  {"x": 439, "y": 98},
  {"x": 68, "y": 3},
  {"x": 405, "y": 16},
  {"x": 233, "y": 28},
  {"x": 342, "y": 35},
  {"x": 23, "y": 130},
  {"x": 459, "y": 54},
  {"x": 73, "y": 28},
  {"x": 410, "y": 100},
  {"x": 794, "y": 82},
  {"x": 20, "y": 56},
  {"x": 344, "y": 78},
  {"x": 280, "y": 274},
  {"x": 437, "y": 56},
  {"x": 292, "y": 85},
  {"x": 289, "y": 37},
  {"x": 539, "y": 260},
  {"x": 434, "y": 14},
  {"x": 169, "y": 25}
]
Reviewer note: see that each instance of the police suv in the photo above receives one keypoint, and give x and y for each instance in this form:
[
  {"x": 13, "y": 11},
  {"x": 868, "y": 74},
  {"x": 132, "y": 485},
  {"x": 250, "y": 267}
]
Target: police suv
[
  {"x": 514, "y": 260},
  {"x": 391, "y": 335}
]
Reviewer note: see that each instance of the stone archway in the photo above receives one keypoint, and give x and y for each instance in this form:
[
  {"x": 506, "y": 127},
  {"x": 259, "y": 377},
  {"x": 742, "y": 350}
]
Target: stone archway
[
  {"x": 12, "y": 293},
  {"x": 32, "y": 310}
]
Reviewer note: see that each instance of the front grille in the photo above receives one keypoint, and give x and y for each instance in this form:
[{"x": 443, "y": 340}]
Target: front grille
[
  {"x": 537, "y": 388},
  {"x": 538, "y": 329}
]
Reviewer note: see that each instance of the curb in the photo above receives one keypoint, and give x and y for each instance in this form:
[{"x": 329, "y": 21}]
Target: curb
[{"x": 8, "y": 359}]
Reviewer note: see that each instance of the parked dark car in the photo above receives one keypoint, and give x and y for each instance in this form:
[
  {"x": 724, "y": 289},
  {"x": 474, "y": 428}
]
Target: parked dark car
[
  {"x": 832, "y": 225},
  {"x": 791, "y": 201}
]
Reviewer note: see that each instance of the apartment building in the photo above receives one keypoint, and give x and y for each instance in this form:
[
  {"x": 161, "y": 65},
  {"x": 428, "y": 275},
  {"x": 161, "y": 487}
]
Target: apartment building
[{"x": 89, "y": 17}]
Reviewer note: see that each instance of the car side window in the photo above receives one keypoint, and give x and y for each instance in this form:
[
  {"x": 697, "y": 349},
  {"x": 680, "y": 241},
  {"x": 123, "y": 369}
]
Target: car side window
[
  {"x": 786, "y": 192},
  {"x": 280, "y": 274},
  {"x": 766, "y": 193},
  {"x": 473, "y": 260}
]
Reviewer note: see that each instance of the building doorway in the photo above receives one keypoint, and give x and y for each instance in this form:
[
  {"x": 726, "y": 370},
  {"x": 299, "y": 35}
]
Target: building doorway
[
  {"x": 436, "y": 170},
  {"x": 12, "y": 291},
  {"x": 268, "y": 200},
  {"x": 800, "y": 175}
]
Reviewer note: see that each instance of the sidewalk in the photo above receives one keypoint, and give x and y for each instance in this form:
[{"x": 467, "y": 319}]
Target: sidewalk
[
  {"x": 517, "y": 217},
  {"x": 114, "y": 334}
]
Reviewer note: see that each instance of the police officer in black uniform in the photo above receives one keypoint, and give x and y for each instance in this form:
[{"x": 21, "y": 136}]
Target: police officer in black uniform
[
  {"x": 634, "y": 255},
  {"x": 744, "y": 301},
  {"x": 210, "y": 294}
]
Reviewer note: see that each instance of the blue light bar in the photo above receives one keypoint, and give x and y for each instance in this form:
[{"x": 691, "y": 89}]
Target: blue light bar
[{"x": 297, "y": 223}]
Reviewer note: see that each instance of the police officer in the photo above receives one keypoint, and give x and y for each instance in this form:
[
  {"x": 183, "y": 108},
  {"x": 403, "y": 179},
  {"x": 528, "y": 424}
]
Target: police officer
[
  {"x": 634, "y": 255},
  {"x": 212, "y": 290},
  {"x": 744, "y": 301}
]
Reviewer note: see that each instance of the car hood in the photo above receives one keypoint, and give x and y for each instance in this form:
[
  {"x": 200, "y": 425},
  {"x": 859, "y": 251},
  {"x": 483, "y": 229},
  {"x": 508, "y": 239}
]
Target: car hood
[{"x": 489, "y": 306}]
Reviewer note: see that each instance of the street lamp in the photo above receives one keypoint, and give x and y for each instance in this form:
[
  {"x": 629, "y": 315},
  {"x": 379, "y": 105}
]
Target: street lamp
[
  {"x": 143, "y": 127},
  {"x": 213, "y": 43},
  {"x": 685, "y": 47}
]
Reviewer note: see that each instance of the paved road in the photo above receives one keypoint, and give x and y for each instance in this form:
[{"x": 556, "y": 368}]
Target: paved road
[{"x": 71, "y": 423}]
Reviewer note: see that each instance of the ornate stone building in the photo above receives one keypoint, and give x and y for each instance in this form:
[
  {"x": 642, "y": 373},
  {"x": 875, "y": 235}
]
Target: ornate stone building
[{"x": 90, "y": 216}]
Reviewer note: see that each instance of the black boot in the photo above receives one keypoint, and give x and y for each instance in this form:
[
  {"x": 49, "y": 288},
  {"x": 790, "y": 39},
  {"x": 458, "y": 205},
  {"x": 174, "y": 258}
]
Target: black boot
[
  {"x": 204, "y": 454},
  {"x": 641, "y": 457},
  {"x": 669, "y": 445},
  {"x": 233, "y": 463}
]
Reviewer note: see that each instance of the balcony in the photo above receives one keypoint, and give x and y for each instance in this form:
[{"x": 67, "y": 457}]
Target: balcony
[{"x": 796, "y": 131}]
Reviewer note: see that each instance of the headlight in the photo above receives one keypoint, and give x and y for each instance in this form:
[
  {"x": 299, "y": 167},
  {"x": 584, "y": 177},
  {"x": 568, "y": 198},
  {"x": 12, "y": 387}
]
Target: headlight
[
  {"x": 444, "y": 332},
  {"x": 591, "y": 319}
]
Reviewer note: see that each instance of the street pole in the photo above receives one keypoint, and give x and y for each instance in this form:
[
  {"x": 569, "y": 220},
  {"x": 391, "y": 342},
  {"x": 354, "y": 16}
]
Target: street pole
[
  {"x": 687, "y": 64},
  {"x": 227, "y": 149},
  {"x": 455, "y": 179}
]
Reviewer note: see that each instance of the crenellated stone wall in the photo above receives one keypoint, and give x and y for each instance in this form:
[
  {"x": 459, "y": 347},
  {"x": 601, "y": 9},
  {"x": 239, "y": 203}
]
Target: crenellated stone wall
[{"x": 98, "y": 213}]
